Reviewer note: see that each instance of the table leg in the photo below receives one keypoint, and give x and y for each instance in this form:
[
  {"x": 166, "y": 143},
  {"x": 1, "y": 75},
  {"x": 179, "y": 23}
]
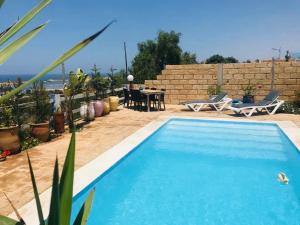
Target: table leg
[
  {"x": 159, "y": 102},
  {"x": 148, "y": 103}
]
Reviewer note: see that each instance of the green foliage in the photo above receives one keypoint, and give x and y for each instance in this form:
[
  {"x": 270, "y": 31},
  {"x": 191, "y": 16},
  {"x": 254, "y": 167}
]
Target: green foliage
[
  {"x": 56, "y": 63},
  {"x": 188, "y": 58},
  {"x": 23, "y": 21},
  {"x": 100, "y": 84},
  {"x": 214, "y": 90},
  {"x": 29, "y": 142},
  {"x": 220, "y": 59},
  {"x": 290, "y": 107},
  {"x": 42, "y": 102},
  {"x": 249, "y": 90},
  {"x": 153, "y": 55},
  {"x": 6, "y": 116},
  {"x": 8, "y": 51}
]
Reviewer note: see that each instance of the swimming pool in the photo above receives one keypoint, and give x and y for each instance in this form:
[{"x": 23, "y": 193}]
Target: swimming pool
[{"x": 201, "y": 172}]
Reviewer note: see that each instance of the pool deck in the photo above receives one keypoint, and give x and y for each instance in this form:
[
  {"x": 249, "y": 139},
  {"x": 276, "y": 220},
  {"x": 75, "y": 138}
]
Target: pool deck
[{"x": 96, "y": 138}]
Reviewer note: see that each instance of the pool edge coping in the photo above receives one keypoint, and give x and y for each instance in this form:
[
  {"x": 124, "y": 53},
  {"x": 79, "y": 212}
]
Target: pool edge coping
[{"x": 92, "y": 170}]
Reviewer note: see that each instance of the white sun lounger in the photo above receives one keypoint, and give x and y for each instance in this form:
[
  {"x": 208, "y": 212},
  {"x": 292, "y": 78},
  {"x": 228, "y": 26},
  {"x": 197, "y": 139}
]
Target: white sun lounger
[
  {"x": 270, "y": 104},
  {"x": 218, "y": 103}
]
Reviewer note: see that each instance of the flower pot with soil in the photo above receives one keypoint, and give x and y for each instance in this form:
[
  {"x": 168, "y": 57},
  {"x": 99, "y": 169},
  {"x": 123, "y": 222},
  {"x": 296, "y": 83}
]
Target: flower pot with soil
[
  {"x": 248, "y": 94},
  {"x": 40, "y": 128},
  {"x": 9, "y": 132}
]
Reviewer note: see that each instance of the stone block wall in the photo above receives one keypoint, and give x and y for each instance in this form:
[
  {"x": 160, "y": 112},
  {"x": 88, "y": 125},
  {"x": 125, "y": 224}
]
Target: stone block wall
[{"x": 188, "y": 82}]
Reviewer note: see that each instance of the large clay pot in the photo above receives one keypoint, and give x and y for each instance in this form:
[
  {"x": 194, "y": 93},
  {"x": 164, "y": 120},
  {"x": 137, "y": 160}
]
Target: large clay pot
[
  {"x": 106, "y": 108},
  {"x": 99, "y": 107},
  {"x": 40, "y": 131},
  {"x": 87, "y": 112},
  {"x": 114, "y": 103},
  {"x": 9, "y": 139},
  {"x": 59, "y": 123}
]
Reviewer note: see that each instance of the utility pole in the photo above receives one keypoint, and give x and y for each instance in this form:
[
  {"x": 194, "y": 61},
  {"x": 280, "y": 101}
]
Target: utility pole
[
  {"x": 63, "y": 71},
  {"x": 126, "y": 67},
  {"x": 273, "y": 73}
]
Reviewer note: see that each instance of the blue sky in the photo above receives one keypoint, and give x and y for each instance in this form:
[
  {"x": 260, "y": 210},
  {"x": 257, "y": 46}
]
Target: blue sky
[{"x": 243, "y": 29}]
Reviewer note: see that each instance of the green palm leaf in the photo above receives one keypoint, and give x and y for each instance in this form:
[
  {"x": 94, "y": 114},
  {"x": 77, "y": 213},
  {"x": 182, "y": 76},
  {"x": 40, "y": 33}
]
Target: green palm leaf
[
  {"x": 36, "y": 193},
  {"x": 56, "y": 63},
  {"x": 66, "y": 184},
  {"x": 1, "y": 3},
  {"x": 8, "y": 221},
  {"x": 83, "y": 214},
  {"x": 53, "y": 218},
  {"x": 22, "y": 22},
  {"x": 17, "y": 44}
]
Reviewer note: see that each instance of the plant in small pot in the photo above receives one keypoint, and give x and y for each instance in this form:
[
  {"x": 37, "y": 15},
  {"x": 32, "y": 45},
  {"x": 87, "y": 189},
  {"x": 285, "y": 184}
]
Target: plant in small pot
[
  {"x": 213, "y": 91},
  {"x": 9, "y": 131},
  {"x": 248, "y": 94},
  {"x": 40, "y": 128},
  {"x": 100, "y": 85},
  {"x": 74, "y": 87},
  {"x": 87, "y": 111},
  {"x": 59, "y": 120}
]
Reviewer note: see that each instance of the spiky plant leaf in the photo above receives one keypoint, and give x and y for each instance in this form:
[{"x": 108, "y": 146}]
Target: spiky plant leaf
[
  {"x": 8, "y": 221},
  {"x": 83, "y": 214},
  {"x": 1, "y": 3},
  {"x": 66, "y": 184},
  {"x": 6, "y": 52},
  {"x": 53, "y": 218},
  {"x": 14, "y": 208},
  {"x": 22, "y": 22},
  {"x": 36, "y": 193},
  {"x": 56, "y": 63}
]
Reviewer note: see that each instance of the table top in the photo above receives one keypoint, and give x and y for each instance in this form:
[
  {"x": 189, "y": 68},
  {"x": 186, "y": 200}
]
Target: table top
[{"x": 146, "y": 91}]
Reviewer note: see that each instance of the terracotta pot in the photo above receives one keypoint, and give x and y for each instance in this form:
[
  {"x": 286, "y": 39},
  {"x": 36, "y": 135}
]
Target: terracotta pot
[
  {"x": 114, "y": 103},
  {"x": 40, "y": 131},
  {"x": 9, "y": 139},
  {"x": 106, "y": 108},
  {"x": 59, "y": 123},
  {"x": 99, "y": 107}
]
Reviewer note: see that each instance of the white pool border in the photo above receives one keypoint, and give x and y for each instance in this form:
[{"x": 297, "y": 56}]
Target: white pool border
[{"x": 95, "y": 168}]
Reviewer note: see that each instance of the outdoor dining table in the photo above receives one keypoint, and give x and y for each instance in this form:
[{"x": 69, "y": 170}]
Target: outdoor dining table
[{"x": 148, "y": 93}]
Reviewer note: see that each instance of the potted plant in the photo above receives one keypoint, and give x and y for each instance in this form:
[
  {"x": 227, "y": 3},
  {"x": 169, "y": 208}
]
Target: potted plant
[
  {"x": 40, "y": 128},
  {"x": 248, "y": 94},
  {"x": 59, "y": 120},
  {"x": 100, "y": 85},
  {"x": 9, "y": 131},
  {"x": 74, "y": 87},
  {"x": 213, "y": 91},
  {"x": 87, "y": 111}
]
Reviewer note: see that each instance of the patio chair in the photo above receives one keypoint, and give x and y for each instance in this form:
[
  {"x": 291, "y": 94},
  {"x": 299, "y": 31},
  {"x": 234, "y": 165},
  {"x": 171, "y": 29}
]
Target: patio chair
[
  {"x": 270, "y": 104},
  {"x": 138, "y": 99},
  {"x": 218, "y": 103},
  {"x": 126, "y": 102}
]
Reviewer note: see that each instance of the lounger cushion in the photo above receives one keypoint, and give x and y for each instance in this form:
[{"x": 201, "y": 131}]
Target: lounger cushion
[{"x": 218, "y": 98}]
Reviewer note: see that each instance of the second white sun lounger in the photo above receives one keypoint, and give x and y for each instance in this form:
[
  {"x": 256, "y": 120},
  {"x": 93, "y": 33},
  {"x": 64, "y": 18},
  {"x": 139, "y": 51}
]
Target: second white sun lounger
[{"x": 218, "y": 103}]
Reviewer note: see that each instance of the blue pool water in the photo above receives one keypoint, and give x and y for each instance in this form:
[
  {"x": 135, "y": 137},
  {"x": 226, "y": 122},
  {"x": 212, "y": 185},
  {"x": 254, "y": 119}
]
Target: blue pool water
[{"x": 201, "y": 172}]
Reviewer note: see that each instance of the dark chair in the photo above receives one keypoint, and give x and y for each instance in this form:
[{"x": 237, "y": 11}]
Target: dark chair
[
  {"x": 126, "y": 98},
  {"x": 162, "y": 99},
  {"x": 138, "y": 99}
]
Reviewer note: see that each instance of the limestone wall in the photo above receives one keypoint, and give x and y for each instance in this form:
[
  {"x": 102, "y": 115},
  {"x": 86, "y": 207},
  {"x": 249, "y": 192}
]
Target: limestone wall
[{"x": 188, "y": 82}]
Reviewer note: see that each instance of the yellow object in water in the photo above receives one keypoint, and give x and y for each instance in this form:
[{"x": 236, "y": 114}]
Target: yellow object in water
[{"x": 282, "y": 178}]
